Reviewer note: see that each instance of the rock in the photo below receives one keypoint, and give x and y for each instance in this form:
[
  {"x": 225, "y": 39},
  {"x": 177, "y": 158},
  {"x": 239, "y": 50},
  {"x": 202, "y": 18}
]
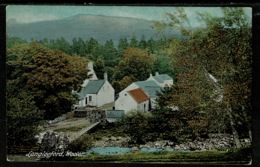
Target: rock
[
  {"x": 135, "y": 148},
  {"x": 113, "y": 138},
  {"x": 53, "y": 141},
  {"x": 157, "y": 145}
]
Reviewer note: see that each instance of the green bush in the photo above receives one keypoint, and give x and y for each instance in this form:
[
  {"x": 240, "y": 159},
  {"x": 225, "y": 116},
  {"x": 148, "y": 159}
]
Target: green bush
[{"x": 81, "y": 144}]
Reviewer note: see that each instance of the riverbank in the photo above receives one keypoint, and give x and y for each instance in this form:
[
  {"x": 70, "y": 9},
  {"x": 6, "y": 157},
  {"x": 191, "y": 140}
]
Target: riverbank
[{"x": 235, "y": 156}]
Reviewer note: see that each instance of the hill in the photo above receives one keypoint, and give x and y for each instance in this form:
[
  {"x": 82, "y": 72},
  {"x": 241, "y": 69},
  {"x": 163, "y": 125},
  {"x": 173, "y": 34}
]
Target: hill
[{"x": 102, "y": 28}]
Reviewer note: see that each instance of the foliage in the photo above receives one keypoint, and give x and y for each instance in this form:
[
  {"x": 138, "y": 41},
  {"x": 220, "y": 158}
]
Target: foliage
[
  {"x": 23, "y": 118},
  {"x": 134, "y": 64},
  {"x": 49, "y": 75},
  {"x": 136, "y": 124},
  {"x": 13, "y": 41},
  {"x": 242, "y": 156},
  {"x": 214, "y": 67},
  {"x": 71, "y": 129},
  {"x": 83, "y": 143}
]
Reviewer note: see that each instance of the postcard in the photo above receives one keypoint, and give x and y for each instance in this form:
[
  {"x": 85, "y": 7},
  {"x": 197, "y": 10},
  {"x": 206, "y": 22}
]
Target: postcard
[{"x": 129, "y": 84}]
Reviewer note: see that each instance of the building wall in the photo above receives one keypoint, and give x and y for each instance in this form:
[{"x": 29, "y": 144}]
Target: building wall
[
  {"x": 144, "y": 106},
  {"x": 130, "y": 87},
  {"x": 153, "y": 102},
  {"x": 168, "y": 82},
  {"x": 106, "y": 94},
  {"x": 93, "y": 102},
  {"x": 125, "y": 102}
]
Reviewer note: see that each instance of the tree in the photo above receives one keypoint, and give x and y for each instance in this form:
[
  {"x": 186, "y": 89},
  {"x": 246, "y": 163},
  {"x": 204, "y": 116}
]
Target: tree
[
  {"x": 122, "y": 45},
  {"x": 126, "y": 81},
  {"x": 13, "y": 41},
  {"x": 133, "y": 42},
  {"x": 136, "y": 124},
  {"x": 49, "y": 75},
  {"x": 142, "y": 44},
  {"x": 23, "y": 119},
  {"x": 136, "y": 63},
  {"x": 214, "y": 67},
  {"x": 110, "y": 54},
  {"x": 78, "y": 46}
]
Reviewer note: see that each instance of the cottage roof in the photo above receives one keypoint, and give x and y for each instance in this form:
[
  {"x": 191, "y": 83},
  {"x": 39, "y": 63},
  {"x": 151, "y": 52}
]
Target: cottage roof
[
  {"x": 138, "y": 95},
  {"x": 150, "y": 87},
  {"x": 162, "y": 77},
  {"x": 92, "y": 87},
  {"x": 115, "y": 113}
]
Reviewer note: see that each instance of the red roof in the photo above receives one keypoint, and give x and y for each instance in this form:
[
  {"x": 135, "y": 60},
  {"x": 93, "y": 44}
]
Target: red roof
[{"x": 138, "y": 95}]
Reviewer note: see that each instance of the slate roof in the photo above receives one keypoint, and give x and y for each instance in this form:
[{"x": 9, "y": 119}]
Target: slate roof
[
  {"x": 138, "y": 95},
  {"x": 115, "y": 113},
  {"x": 150, "y": 87},
  {"x": 162, "y": 77},
  {"x": 92, "y": 87}
]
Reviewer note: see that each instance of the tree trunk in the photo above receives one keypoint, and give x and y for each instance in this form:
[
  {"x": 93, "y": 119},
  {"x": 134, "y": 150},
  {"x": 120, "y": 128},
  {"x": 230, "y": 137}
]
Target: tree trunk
[{"x": 234, "y": 131}]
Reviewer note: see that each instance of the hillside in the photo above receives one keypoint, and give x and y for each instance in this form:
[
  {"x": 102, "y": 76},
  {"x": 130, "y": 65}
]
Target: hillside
[{"x": 99, "y": 27}]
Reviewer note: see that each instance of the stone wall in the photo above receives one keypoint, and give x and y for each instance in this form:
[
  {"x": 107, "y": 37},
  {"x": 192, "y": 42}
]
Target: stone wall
[
  {"x": 94, "y": 115},
  {"x": 52, "y": 141}
]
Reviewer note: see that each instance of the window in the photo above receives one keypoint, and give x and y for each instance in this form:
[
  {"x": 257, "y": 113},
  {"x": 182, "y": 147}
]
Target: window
[
  {"x": 90, "y": 98},
  {"x": 86, "y": 100}
]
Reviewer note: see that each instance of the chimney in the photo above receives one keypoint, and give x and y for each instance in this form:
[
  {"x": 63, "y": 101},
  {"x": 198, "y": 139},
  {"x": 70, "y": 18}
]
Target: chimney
[
  {"x": 105, "y": 76},
  {"x": 157, "y": 73}
]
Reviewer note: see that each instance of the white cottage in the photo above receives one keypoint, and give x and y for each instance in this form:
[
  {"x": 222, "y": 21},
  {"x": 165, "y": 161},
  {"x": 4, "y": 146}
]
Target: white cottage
[
  {"x": 135, "y": 99},
  {"x": 161, "y": 79},
  {"x": 95, "y": 92},
  {"x": 149, "y": 87}
]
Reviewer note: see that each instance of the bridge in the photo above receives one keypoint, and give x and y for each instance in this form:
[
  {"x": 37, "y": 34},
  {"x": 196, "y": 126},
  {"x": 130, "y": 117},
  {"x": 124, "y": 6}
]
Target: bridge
[{"x": 82, "y": 131}]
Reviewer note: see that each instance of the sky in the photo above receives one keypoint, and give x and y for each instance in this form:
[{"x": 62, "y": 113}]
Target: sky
[{"x": 33, "y": 13}]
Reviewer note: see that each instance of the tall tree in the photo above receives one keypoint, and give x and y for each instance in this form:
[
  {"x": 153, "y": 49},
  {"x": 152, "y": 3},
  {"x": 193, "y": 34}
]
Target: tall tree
[
  {"x": 122, "y": 45},
  {"x": 133, "y": 42},
  {"x": 214, "y": 67},
  {"x": 136, "y": 63},
  {"x": 50, "y": 76},
  {"x": 142, "y": 44},
  {"x": 23, "y": 119}
]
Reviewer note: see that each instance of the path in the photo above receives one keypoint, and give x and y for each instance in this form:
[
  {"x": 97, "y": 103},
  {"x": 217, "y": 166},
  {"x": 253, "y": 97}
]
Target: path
[{"x": 81, "y": 132}]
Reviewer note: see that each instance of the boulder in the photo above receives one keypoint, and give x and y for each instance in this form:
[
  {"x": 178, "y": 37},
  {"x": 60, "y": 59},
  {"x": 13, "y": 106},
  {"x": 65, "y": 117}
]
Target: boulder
[{"x": 135, "y": 148}]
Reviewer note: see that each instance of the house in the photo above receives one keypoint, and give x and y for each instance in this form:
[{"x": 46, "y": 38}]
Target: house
[
  {"x": 149, "y": 87},
  {"x": 134, "y": 99},
  {"x": 114, "y": 115},
  {"x": 94, "y": 92},
  {"x": 161, "y": 79}
]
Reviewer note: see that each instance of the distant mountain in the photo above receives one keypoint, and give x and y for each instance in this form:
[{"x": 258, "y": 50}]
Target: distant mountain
[{"x": 102, "y": 28}]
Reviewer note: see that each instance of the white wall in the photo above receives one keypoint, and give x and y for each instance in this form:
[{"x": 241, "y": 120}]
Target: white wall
[
  {"x": 168, "y": 82},
  {"x": 153, "y": 102},
  {"x": 93, "y": 102},
  {"x": 130, "y": 87},
  {"x": 106, "y": 94},
  {"x": 141, "y": 107},
  {"x": 125, "y": 102}
]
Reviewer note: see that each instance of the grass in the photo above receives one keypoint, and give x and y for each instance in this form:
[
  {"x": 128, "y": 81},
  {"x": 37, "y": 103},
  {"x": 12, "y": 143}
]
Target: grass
[
  {"x": 71, "y": 129},
  {"x": 236, "y": 156},
  {"x": 107, "y": 133}
]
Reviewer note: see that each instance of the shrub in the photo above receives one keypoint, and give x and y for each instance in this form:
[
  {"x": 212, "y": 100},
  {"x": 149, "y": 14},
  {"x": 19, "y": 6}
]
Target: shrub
[{"x": 81, "y": 144}]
